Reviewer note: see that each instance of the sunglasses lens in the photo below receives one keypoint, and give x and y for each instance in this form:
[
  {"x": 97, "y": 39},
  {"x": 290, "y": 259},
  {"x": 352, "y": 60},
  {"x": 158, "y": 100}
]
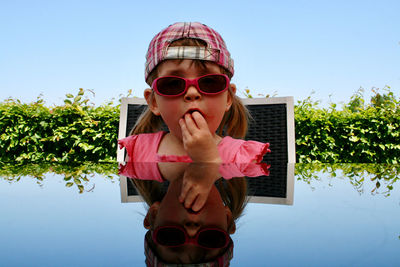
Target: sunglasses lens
[
  {"x": 213, "y": 83},
  {"x": 170, "y": 237},
  {"x": 171, "y": 85},
  {"x": 212, "y": 239}
]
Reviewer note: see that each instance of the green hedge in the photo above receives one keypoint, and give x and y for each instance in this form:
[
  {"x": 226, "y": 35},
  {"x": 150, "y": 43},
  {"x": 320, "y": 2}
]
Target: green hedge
[
  {"x": 76, "y": 131},
  {"x": 79, "y": 131},
  {"x": 359, "y": 132}
]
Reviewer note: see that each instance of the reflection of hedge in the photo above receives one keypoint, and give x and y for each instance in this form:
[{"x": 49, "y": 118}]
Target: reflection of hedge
[
  {"x": 384, "y": 176},
  {"x": 78, "y": 131},
  {"x": 80, "y": 175},
  {"x": 77, "y": 174}
]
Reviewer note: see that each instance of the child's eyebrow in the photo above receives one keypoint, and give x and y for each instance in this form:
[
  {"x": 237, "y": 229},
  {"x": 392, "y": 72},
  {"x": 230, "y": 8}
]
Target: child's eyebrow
[{"x": 175, "y": 73}]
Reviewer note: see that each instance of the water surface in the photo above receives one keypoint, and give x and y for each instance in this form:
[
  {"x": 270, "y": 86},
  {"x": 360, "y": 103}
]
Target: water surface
[{"x": 339, "y": 216}]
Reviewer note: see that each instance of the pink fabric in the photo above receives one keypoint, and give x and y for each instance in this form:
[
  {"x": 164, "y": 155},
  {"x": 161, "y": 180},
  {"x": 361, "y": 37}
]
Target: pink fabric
[
  {"x": 141, "y": 170},
  {"x": 150, "y": 171},
  {"x": 144, "y": 147},
  {"x": 237, "y": 155},
  {"x": 231, "y": 170}
]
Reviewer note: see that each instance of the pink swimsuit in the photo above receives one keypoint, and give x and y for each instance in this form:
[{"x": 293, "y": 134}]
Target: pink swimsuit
[
  {"x": 238, "y": 157},
  {"x": 144, "y": 147},
  {"x": 150, "y": 170}
]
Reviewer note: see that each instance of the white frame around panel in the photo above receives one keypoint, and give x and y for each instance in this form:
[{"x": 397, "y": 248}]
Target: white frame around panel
[
  {"x": 288, "y": 100},
  {"x": 125, "y": 101}
]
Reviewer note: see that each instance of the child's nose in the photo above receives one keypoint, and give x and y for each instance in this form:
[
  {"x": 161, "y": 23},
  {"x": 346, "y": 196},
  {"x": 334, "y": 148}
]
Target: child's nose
[
  {"x": 192, "y": 94},
  {"x": 191, "y": 228}
]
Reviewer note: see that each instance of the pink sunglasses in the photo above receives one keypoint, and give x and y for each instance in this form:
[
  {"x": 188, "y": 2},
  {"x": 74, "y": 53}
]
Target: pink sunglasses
[
  {"x": 175, "y": 236},
  {"x": 171, "y": 86}
]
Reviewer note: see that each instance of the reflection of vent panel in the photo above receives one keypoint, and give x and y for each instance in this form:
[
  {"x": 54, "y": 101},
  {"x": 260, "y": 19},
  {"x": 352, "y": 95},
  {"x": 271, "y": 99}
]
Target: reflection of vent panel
[
  {"x": 131, "y": 188},
  {"x": 274, "y": 185},
  {"x": 133, "y": 192}
]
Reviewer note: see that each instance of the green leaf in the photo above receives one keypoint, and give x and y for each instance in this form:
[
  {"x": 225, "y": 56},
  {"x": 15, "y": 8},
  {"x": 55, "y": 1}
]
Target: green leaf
[
  {"x": 354, "y": 138},
  {"x": 81, "y": 189}
]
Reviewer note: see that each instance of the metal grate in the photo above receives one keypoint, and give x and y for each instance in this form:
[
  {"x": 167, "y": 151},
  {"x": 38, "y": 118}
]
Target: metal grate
[{"x": 269, "y": 124}]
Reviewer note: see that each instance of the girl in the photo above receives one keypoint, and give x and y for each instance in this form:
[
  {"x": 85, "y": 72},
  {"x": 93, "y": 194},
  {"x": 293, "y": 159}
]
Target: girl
[{"x": 189, "y": 70}]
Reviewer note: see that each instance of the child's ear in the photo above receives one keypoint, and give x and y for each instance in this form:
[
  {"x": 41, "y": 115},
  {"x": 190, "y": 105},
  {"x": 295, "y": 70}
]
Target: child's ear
[
  {"x": 148, "y": 221},
  {"x": 231, "y": 95},
  {"x": 151, "y": 101},
  {"x": 231, "y": 223}
]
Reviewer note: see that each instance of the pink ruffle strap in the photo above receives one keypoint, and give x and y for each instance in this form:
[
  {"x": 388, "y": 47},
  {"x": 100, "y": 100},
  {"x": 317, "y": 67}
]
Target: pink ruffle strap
[
  {"x": 141, "y": 170},
  {"x": 128, "y": 143},
  {"x": 231, "y": 170},
  {"x": 251, "y": 151}
]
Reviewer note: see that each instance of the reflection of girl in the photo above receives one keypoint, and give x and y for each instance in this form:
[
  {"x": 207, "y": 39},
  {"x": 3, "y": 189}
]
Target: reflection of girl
[
  {"x": 197, "y": 179},
  {"x": 223, "y": 206}
]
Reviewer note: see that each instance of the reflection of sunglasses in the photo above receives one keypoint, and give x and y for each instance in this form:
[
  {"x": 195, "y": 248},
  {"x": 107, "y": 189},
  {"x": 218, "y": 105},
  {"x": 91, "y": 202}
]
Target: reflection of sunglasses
[
  {"x": 209, "y": 84},
  {"x": 175, "y": 236}
]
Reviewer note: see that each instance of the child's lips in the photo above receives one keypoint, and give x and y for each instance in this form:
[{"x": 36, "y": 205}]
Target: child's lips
[
  {"x": 190, "y": 211},
  {"x": 191, "y": 111}
]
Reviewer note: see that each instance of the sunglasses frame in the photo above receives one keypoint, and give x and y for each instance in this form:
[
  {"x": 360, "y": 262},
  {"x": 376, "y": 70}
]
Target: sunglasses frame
[
  {"x": 188, "y": 239},
  {"x": 190, "y": 82}
]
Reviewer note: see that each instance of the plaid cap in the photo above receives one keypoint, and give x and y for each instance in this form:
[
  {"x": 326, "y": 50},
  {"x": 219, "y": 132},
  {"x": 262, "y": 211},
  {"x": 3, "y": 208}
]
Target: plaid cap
[
  {"x": 216, "y": 50},
  {"x": 153, "y": 261}
]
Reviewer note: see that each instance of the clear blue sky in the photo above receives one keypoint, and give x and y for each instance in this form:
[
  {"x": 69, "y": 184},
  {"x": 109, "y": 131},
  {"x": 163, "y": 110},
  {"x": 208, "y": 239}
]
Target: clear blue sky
[{"x": 288, "y": 47}]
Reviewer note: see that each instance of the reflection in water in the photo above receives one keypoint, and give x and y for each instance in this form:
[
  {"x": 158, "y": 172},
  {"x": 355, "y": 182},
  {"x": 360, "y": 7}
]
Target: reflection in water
[
  {"x": 384, "y": 176},
  {"x": 76, "y": 175},
  {"x": 367, "y": 219},
  {"x": 190, "y": 221}
]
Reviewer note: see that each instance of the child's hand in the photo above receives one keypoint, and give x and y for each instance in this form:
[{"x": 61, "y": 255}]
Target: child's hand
[
  {"x": 196, "y": 185},
  {"x": 198, "y": 141}
]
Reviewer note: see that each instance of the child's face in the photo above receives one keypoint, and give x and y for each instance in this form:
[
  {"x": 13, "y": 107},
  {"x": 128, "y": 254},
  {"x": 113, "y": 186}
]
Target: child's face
[
  {"x": 172, "y": 109},
  {"x": 171, "y": 212}
]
